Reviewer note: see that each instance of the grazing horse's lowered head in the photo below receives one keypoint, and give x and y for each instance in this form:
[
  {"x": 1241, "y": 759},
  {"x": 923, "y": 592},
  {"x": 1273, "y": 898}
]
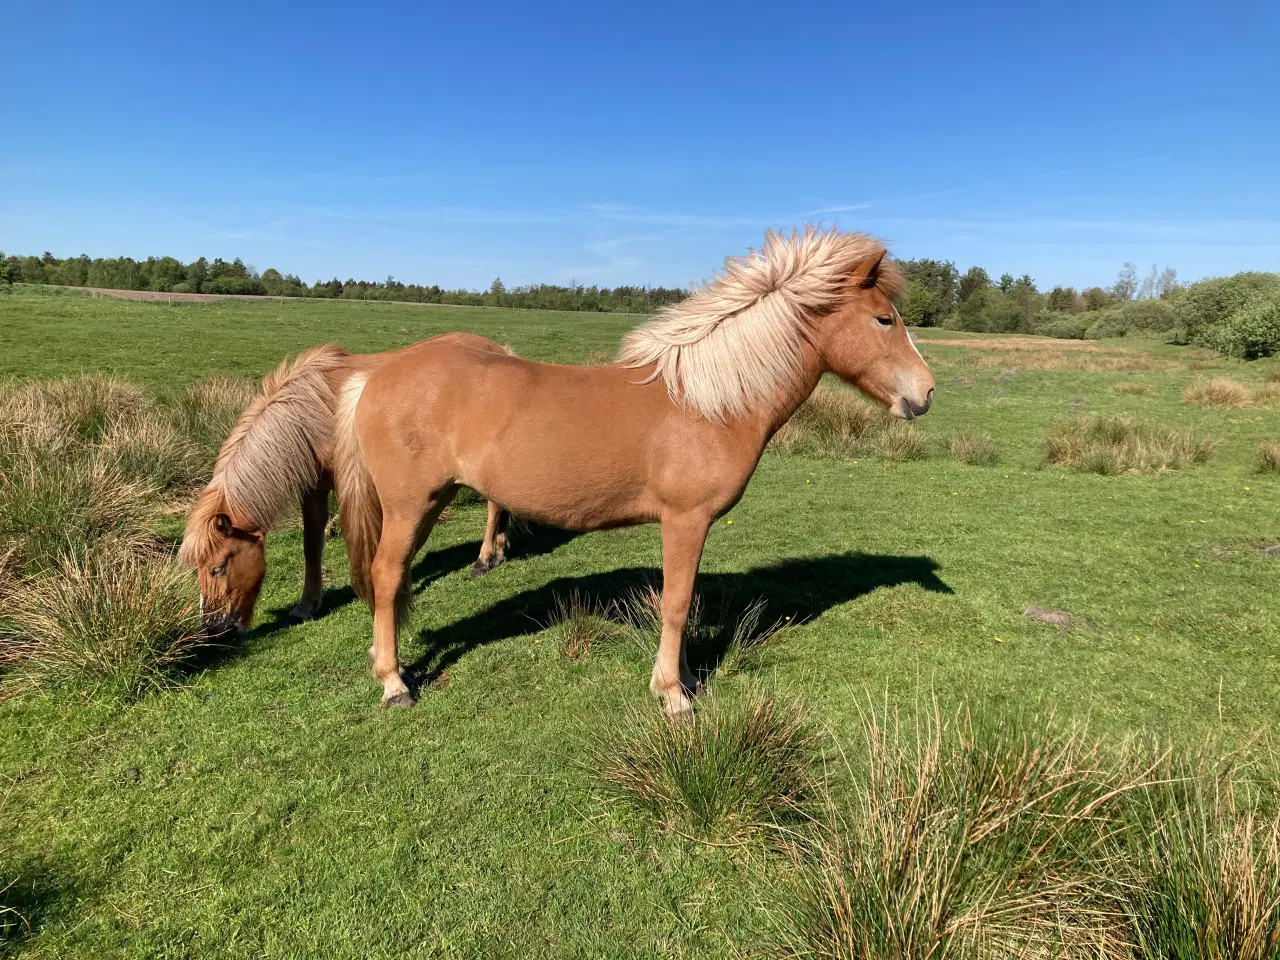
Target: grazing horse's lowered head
[{"x": 230, "y": 563}]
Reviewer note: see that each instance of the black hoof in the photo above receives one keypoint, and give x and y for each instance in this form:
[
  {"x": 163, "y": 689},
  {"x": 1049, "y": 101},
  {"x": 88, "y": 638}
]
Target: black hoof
[
  {"x": 479, "y": 569},
  {"x": 399, "y": 700}
]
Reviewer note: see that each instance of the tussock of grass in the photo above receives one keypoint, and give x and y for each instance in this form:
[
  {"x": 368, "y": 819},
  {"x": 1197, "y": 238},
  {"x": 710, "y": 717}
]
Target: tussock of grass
[
  {"x": 1269, "y": 456},
  {"x": 578, "y": 625},
  {"x": 76, "y": 409},
  {"x": 150, "y": 449},
  {"x": 1131, "y": 388},
  {"x": 111, "y": 621},
  {"x": 1219, "y": 392},
  {"x": 205, "y": 412},
  {"x": 960, "y": 839},
  {"x": 836, "y": 422},
  {"x": 52, "y": 506},
  {"x": 1208, "y": 873},
  {"x": 972, "y": 447},
  {"x": 1113, "y": 445},
  {"x": 741, "y": 766}
]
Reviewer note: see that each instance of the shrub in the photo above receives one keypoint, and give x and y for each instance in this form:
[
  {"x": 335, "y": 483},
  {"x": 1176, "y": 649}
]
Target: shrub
[
  {"x": 1218, "y": 392},
  {"x": 959, "y": 839},
  {"x": 111, "y": 621},
  {"x": 1113, "y": 445},
  {"x": 1063, "y": 326},
  {"x": 740, "y": 767},
  {"x": 972, "y": 447},
  {"x": 1251, "y": 332},
  {"x": 1269, "y": 456},
  {"x": 1204, "y": 305},
  {"x": 1148, "y": 316},
  {"x": 1108, "y": 325}
]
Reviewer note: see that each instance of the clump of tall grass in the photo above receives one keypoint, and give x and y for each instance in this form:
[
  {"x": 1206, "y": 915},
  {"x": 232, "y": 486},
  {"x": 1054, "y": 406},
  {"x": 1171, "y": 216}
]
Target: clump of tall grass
[
  {"x": 579, "y": 624},
  {"x": 1207, "y": 871},
  {"x": 962, "y": 839},
  {"x": 152, "y": 450},
  {"x": 1131, "y": 388},
  {"x": 206, "y": 411},
  {"x": 972, "y": 447},
  {"x": 113, "y": 621},
  {"x": 1269, "y": 456},
  {"x": 837, "y": 422},
  {"x": 52, "y": 506},
  {"x": 1225, "y": 393},
  {"x": 75, "y": 410},
  {"x": 1121, "y": 444},
  {"x": 742, "y": 766}
]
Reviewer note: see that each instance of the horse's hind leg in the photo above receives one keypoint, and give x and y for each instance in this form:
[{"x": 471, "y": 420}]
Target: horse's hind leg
[
  {"x": 494, "y": 549},
  {"x": 403, "y": 533},
  {"x": 315, "y": 516},
  {"x": 683, "y": 538}
]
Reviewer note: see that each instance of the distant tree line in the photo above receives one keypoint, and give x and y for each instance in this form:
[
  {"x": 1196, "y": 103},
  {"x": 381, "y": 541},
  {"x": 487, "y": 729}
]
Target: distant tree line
[
  {"x": 168, "y": 275},
  {"x": 1238, "y": 316}
]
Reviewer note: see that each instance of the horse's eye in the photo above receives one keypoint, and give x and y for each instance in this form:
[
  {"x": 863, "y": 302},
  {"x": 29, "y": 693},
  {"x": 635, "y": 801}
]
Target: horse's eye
[
  {"x": 885, "y": 321},
  {"x": 219, "y": 570}
]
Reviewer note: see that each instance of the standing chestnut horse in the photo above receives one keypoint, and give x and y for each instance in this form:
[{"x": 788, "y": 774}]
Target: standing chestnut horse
[{"x": 669, "y": 434}]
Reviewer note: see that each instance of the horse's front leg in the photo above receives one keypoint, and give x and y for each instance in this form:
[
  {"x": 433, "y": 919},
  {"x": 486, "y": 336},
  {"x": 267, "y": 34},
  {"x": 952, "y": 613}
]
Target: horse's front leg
[
  {"x": 683, "y": 537},
  {"x": 315, "y": 517},
  {"x": 494, "y": 549}
]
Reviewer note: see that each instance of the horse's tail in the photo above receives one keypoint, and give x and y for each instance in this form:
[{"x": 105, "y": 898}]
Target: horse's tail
[{"x": 360, "y": 508}]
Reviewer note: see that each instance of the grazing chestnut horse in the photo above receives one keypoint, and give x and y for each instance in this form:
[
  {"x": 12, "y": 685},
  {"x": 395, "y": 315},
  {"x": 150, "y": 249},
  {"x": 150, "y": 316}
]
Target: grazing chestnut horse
[
  {"x": 669, "y": 434},
  {"x": 279, "y": 454}
]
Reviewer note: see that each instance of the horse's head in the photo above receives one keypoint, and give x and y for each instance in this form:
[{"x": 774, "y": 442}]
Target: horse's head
[
  {"x": 230, "y": 563},
  {"x": 865, "y": 342}
]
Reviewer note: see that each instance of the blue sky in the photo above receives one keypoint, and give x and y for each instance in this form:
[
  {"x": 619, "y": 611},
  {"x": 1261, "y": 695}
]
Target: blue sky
[{"x": 642, "y": 143}]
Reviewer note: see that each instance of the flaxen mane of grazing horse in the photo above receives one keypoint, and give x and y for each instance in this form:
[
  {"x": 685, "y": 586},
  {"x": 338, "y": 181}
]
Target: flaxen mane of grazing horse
[
  {"x": 669, "y": 434},
  {"x": 281, "y": 453}
]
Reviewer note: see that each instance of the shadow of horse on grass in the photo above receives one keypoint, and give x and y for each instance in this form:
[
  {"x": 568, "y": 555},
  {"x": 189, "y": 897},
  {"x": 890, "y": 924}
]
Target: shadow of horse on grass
[{"x": 801, "y": 589}]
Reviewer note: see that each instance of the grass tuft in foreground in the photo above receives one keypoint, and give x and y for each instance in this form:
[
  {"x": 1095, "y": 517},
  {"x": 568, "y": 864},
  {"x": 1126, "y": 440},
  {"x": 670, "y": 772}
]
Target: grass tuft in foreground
[
  {"x": 1208, "y": 872},
  {"x": 579, "y": 625},
  {"x": 113, "y": 621},
  {"x": 958, "y": 839},
  {"x": 1113, "y": 445},
  {"x": 740, "y": 766}
]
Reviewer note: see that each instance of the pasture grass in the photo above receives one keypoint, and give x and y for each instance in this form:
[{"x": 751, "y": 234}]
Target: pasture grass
[
  {"x": 1112, "y": 445},
  {"x": 267, "y": 807}
]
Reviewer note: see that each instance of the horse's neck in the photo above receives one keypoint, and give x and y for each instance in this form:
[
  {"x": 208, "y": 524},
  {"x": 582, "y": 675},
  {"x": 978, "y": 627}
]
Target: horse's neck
[{"x": 790, "y": 397}]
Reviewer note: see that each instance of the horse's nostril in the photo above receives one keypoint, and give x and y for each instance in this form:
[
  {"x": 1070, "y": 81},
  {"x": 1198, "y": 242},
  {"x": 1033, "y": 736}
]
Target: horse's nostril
[{"x": 928, "y": 399}]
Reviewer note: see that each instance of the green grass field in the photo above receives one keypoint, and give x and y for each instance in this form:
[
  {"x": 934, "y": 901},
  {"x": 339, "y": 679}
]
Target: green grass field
[{"x": 269, "y": 808}]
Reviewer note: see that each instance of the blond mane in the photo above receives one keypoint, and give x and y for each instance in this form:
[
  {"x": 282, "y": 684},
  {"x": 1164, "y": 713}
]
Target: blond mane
[
  {"x": 274, "y": 454},
  {"x": 726, "y": 350}
]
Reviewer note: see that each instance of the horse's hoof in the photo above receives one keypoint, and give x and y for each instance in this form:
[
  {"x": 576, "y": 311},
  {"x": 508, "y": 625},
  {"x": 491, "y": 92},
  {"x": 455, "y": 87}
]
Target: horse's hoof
[
  {"x": 302, "y": 613},
  {"x": 398, "y": 700},
  {"x": 682, "y": 716},
  {"x": 479, "y": 569}
]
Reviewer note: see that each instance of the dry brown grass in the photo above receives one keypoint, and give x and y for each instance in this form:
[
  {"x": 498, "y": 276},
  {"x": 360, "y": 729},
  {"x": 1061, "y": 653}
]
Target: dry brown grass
[
  {"x": 1131, "y": 388},
  {"x": 1269, "y": 456},
  {"x": 1114, "y": 445},
  {"x": 1219, "y": 392},
  {"x": 1057, "y": 359},
  {"x": 150, "y": 448}
]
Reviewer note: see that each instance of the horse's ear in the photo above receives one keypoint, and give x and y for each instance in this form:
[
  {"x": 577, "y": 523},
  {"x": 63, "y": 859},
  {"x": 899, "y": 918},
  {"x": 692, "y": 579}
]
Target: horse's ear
[
  {"x": 873, "y": 274},
  {"x": 222, "y": 523}
]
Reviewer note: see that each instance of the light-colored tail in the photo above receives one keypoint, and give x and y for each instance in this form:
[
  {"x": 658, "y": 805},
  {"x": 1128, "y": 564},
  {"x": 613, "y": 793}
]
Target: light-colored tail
[{"x": 359, "y": 506}]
